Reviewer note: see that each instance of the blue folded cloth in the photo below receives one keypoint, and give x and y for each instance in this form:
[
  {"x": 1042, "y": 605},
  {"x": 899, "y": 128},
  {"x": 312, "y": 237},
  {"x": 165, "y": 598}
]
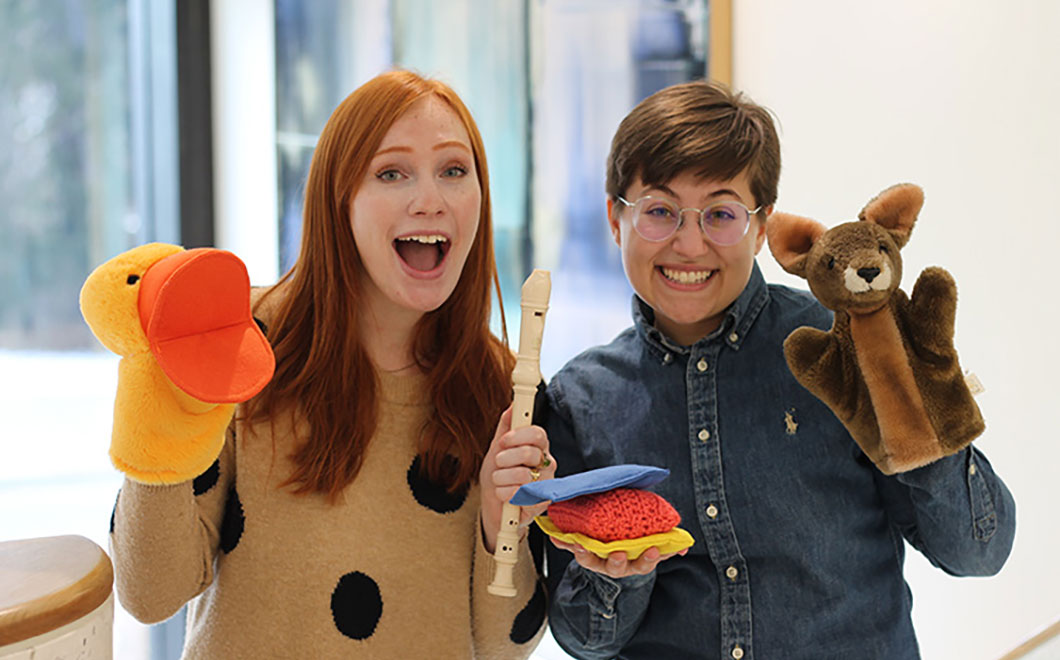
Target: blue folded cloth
[{"x": 592, "y": 481}]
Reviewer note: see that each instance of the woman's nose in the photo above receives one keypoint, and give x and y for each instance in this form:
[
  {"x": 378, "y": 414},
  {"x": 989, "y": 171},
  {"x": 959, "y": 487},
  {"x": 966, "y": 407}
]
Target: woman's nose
[
  {"x": 427, "y": 199},
  {"x": 689, "y": 239}
]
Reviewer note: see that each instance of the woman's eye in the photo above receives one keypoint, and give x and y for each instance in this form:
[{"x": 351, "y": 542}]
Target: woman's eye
[
  {"x": 659, "y": 212},
  {"x": 388, "y": 175},
  {"x": 455, "y": 171},
  {"x": 721, "y": 215}
]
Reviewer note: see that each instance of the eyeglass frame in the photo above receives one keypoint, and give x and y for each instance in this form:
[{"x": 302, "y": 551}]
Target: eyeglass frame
[{"x": 702, "y": 212}]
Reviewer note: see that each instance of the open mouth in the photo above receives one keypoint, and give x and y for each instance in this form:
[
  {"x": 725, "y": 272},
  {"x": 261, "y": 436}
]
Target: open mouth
[
  {"x": 422, "y": 252},
  {"x": 686, "y": 276}
]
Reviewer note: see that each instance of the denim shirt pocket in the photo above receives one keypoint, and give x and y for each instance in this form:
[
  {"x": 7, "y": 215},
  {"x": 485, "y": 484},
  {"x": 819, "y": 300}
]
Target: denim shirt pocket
[{"x": 984, "y": 519}]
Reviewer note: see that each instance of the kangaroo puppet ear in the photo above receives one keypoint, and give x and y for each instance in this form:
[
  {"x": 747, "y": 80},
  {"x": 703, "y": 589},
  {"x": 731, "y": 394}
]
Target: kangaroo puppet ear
[
  {"x": 790, "y": 239},
  {"x": 895, "y": 209}
]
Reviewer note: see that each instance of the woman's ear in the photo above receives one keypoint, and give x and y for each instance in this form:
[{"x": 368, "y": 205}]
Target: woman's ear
[
  {"x": 612, "y": 220},
  {"x": 760, "y": 227}
]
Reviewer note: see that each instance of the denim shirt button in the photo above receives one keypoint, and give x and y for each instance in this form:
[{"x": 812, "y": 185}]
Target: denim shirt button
[
  {"x": 704, "y": 435},
  {"x": 731, "y": 572},
  {"x": 668, "y": 358},
  {"x": 971, "y": 469},
  {"x": 712, "y": 511},
  {"x": 701, "y": 365},
  {"x": 737, "y": 652},
  {"x": 733, "y": 337}
]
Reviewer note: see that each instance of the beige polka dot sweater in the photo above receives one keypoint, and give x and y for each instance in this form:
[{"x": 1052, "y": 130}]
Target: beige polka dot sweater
[{"x": 395, "y": 569}]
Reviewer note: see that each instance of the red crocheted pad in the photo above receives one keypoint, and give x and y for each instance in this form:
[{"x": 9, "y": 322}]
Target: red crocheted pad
[{"x": 614, "y": 515}]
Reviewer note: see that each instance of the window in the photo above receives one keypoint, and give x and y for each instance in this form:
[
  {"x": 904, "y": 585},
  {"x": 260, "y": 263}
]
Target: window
[
  {"x": 477, "y": 46},
  {"x": 87, "y": 169},
  {"x": 547, "y": 81}
]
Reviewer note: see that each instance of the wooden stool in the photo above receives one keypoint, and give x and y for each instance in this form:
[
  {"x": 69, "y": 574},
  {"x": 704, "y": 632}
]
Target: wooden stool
[{"x": 55, "y": 599}]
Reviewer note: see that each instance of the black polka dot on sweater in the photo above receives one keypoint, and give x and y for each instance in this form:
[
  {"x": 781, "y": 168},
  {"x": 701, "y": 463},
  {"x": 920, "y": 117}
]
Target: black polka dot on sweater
[
  {"x": 530, "y": 619},
  {"x": 232, "y": 525},
  {"x": 356, "y": 605},
  {"x": 431, "y": 494},
  {"x": 114, "y": 511},
  {"x": 208, "y": 479}
]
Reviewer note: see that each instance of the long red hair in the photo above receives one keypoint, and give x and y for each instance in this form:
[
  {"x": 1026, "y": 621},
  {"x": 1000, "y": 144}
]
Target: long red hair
[{"x": 322, "y": 368}]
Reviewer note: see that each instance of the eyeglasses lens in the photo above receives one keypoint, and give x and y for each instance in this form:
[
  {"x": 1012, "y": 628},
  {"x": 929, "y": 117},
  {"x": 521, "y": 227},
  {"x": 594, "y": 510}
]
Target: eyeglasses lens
[
  {"x": 656, "y": 218},
  {"x": 725, "y": 223}
]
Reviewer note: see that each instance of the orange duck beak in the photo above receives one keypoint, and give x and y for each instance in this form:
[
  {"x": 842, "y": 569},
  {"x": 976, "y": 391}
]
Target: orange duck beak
[{"x": 195, "y": 310}]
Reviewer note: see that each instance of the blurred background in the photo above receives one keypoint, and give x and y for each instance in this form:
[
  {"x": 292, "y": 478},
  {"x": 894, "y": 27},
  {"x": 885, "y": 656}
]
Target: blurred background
[{"x": 193, "y": 122}]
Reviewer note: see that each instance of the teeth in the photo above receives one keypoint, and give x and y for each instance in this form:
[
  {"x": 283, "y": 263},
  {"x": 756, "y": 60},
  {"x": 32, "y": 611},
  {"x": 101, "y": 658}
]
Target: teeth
[
  {"x": 424, "y": 238},
  {"x": 687, "y": 276}
]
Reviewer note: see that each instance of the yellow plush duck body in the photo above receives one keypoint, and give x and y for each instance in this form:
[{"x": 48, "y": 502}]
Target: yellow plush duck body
[{"x": 190, "y": 351}]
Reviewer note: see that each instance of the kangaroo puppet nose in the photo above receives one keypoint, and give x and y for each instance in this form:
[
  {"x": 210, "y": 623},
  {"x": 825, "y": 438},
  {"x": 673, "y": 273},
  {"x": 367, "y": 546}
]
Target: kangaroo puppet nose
[
  {"x": 868, "y": 274},
  {"x": 195, "y": 310}
]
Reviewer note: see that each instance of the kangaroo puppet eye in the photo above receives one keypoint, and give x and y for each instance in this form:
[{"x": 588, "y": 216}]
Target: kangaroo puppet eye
[
  {"x": 831, "y": 263},
  {"x": 883, "y": 248},
  {"x": 132, "y": 279}
]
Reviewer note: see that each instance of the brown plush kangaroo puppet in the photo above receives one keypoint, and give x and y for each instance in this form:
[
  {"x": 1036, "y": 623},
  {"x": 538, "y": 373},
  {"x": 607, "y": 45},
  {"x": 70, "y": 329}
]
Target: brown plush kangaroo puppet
[{"x": 887, "y": 368}]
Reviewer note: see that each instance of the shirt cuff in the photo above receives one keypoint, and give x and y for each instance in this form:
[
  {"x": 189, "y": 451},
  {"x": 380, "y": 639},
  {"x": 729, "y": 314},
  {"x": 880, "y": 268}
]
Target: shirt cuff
[
  {"x": 949, "y": 477},
  {"x": 606, "y": 589}
]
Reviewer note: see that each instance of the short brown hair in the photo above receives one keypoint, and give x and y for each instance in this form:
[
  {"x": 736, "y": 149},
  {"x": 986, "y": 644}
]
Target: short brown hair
[{"x": 700, "y": 127}]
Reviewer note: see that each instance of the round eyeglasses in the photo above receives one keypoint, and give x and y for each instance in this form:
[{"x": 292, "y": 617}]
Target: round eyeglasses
[{"x": 657, "y": 219}]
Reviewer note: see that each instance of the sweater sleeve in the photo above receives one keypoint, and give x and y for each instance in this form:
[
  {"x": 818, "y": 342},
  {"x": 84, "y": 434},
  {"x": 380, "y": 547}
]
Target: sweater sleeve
[
  {"x": 164, "y": 539},
  {"x": 506, "y": 628}
]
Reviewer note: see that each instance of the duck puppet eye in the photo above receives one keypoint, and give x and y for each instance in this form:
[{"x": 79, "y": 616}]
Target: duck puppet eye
[{"x": 132, "y": 279}]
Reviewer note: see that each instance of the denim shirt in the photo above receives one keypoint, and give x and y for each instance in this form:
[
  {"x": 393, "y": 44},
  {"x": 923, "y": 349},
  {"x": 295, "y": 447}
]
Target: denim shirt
[{"x": 798, "y": 536}]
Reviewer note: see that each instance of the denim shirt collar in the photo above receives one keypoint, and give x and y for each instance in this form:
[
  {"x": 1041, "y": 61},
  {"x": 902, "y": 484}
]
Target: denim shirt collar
[{"x": 734, "y": 327}]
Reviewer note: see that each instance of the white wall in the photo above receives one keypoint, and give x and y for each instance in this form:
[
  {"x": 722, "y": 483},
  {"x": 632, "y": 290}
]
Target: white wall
[{"x": 963, "y": 98}]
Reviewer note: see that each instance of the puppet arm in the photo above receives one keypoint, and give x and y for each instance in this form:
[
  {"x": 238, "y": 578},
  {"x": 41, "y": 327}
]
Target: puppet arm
[
  {"x": 933, "y": 311},
  {"x": 816, "y": 361}
]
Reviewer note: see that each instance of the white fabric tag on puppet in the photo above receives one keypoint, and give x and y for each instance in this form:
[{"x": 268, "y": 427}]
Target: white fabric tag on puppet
[{"x": 974, "y": 384}]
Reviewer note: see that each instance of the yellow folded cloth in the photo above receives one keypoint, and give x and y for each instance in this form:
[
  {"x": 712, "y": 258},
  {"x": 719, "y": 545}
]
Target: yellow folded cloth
[{"x": 674, "y": 540}]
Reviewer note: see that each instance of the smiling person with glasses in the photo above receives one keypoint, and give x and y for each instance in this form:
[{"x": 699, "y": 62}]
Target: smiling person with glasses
[
  {"x": 798, "y": 537},
  {"x": 688, "y": 272}
]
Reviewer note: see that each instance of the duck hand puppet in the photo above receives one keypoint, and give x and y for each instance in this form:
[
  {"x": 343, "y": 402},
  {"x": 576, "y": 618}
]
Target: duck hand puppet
[
  {"x": 190, "y": 351},
  {"x": 887, "y": 368},
  {"x": 606, "y": 510}
]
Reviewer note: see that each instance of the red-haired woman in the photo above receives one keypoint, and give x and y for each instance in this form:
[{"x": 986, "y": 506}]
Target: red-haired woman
[{"x": 344, "y": 517}]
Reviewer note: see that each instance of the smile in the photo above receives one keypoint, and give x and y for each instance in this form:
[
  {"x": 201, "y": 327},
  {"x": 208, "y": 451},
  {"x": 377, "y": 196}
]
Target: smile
[
  {"x": 686, "y": 276},
  {"x": 422, "y": 252}
]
